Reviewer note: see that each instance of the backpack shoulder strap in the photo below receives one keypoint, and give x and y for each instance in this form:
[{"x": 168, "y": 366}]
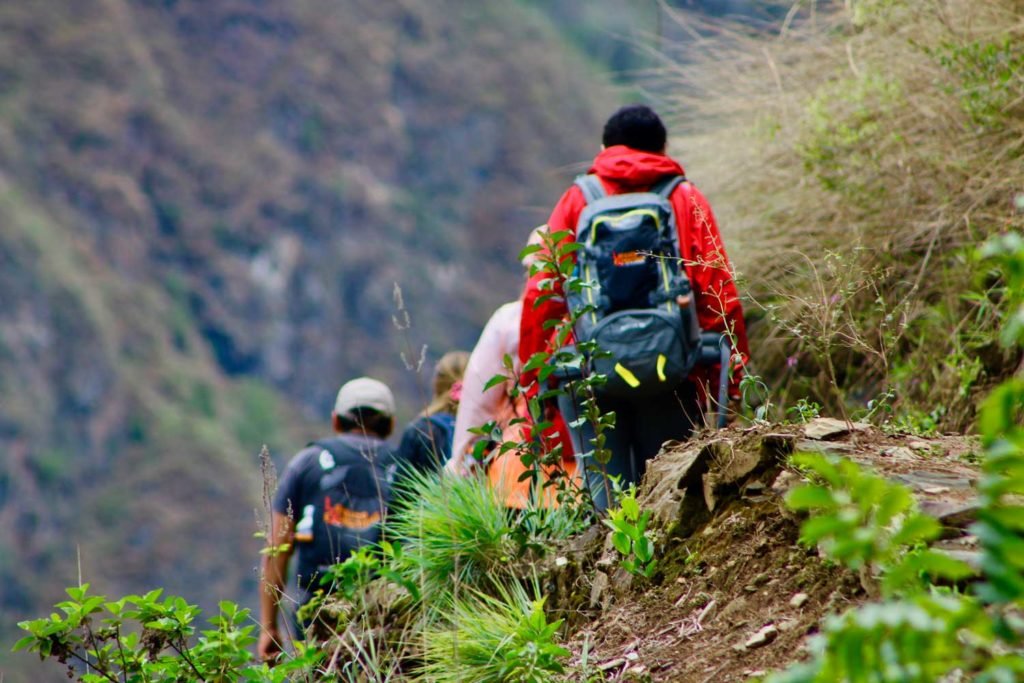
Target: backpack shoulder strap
[
  {"x": 591, "y": 187},
  {"x": 666, "y": 186}
]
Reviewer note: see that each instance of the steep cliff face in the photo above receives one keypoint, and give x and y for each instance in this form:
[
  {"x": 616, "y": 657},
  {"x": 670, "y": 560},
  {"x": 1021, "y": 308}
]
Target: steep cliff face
[
  {"x": 283, "y": 166},
  {"x": 204, "y": 211}
]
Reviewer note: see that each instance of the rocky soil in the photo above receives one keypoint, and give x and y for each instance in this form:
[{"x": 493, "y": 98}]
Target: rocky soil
[{"x": 735, "y": 595}]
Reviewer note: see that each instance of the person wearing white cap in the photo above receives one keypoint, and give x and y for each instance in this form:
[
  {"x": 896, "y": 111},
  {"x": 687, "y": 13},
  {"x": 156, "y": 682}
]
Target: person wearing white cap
[{"x": 332, "y": 499}]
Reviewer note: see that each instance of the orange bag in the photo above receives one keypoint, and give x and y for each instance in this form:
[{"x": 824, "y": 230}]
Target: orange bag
[{"x": 505, "y": 469}]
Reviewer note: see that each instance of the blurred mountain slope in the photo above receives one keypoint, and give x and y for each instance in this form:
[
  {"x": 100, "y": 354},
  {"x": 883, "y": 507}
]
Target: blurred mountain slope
[{"x": 204, "y": 211}]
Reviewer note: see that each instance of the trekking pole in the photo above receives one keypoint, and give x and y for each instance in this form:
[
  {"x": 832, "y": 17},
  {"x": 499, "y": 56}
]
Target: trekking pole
[
  {"x": 715, "y": 347},
  {"x": 723, "y": 381},
  {"x": 570, "y": 410}
]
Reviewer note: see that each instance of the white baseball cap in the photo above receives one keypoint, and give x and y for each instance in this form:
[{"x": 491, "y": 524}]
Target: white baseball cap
[{"x": 364, "y": 392}]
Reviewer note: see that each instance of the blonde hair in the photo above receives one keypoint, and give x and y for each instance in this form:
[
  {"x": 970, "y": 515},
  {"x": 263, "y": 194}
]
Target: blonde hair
[
  {"x": 536, "y": 238},
  {"x": 447, "y": 373}
]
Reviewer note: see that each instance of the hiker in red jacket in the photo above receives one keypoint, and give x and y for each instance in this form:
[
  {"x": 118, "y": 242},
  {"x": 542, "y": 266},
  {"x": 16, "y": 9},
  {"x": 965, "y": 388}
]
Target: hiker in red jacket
[{"x": 633, "y": 160}]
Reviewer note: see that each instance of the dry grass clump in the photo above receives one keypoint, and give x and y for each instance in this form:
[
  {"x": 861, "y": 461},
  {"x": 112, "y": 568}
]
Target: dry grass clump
[{"x": 856, "y": 152}]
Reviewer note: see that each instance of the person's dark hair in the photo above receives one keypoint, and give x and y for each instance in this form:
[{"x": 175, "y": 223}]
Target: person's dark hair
[
  {"x": 635, "y": 126},
  {"x": 366, "y": 420}
]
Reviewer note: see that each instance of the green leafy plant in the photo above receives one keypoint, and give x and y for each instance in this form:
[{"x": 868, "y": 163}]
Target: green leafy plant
[
  {"x": 916, "y": 640},
  {"x": 146, "y": 638},
  {"x": 868, "y": 524},
  {"x": 630, "y": 535},
  {"x": 926, "y": 633},
  {"x": 570, "y": 360},
  {"x": 350, "y": 579},
  {"x": 506, "y": 639},
  {"x": 1000, "y": 527},
  {"x": 804, "y": 410},
  {"x": 363, "y": 614}
]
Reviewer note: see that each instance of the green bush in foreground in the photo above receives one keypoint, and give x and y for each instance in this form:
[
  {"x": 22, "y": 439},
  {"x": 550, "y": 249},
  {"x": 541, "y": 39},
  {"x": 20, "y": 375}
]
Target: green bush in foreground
[
  {"x": 456, "y": 533},
  {"x": 144, "y": 638},
  {"x": 506, "y": 638},
  {"x": 452, "y": 550}
]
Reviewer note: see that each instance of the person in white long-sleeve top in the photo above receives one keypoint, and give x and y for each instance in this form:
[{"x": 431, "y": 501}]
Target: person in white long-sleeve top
[
  {"x": 500, "y": 337},
  {"x": 480, "y": 406}
]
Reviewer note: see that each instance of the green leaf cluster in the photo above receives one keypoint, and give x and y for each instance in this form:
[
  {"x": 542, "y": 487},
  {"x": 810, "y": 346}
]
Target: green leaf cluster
[
  {"x": 630, "y": 536},
  {"x": 915, "y": 640},
  {"x": 1000, "y": 527},
  {"x": 152, "y": 639},
  {"x": 351, "y": 578},
  {"x": 864, "y": 521}
]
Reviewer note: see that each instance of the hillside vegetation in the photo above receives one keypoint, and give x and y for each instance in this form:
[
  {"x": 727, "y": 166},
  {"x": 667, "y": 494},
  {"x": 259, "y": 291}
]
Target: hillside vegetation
[
  {"x": 856, "y": 159},
  {"x": 176, "y": 266},
  {"x": 204, "y": 211}
]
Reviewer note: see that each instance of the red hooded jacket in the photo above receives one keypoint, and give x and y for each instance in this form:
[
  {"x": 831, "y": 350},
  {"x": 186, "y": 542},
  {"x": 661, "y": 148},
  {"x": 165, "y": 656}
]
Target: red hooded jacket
[{"x": 621, "y": 170}]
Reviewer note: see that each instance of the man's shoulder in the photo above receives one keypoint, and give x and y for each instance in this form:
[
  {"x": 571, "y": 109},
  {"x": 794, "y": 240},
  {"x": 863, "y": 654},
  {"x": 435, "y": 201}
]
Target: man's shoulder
[
  {"x": 304, "y": 458},
  {"x": 572, "y": 200},
  {"x": 294, "y": 483},
  {"x": 687, "y": 189}
]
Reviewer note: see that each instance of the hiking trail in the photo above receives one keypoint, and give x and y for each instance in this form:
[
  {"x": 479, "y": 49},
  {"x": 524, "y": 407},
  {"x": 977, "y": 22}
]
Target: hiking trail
[{"x": 735, "y": 595}]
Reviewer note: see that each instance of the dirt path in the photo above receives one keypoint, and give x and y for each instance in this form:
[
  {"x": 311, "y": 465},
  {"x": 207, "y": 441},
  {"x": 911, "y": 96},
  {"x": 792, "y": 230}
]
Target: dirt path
[{"x": 735, "y": 595}]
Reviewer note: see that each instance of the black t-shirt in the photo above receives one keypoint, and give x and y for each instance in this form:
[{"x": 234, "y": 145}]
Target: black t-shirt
[
  {"x": 427, "y": 442},
  {"x": 337, "y": 490}
]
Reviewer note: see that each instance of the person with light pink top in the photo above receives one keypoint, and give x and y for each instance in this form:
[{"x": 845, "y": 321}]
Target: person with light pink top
[
  {"x": 480, "y": 406},
  {"x": 500, "y": 337}
]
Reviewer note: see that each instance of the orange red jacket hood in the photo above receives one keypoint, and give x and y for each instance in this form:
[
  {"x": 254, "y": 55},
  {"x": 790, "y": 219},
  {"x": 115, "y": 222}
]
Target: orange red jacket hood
[{"x": 625, "y": 169}]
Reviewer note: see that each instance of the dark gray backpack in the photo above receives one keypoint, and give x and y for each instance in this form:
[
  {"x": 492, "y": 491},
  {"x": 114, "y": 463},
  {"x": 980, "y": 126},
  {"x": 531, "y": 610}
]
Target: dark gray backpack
[{"x": 633, "y": 278}]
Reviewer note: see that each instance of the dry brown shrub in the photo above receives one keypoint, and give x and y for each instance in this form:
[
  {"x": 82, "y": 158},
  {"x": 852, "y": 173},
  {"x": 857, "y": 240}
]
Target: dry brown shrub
[{"x": 855, "y": 153}]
